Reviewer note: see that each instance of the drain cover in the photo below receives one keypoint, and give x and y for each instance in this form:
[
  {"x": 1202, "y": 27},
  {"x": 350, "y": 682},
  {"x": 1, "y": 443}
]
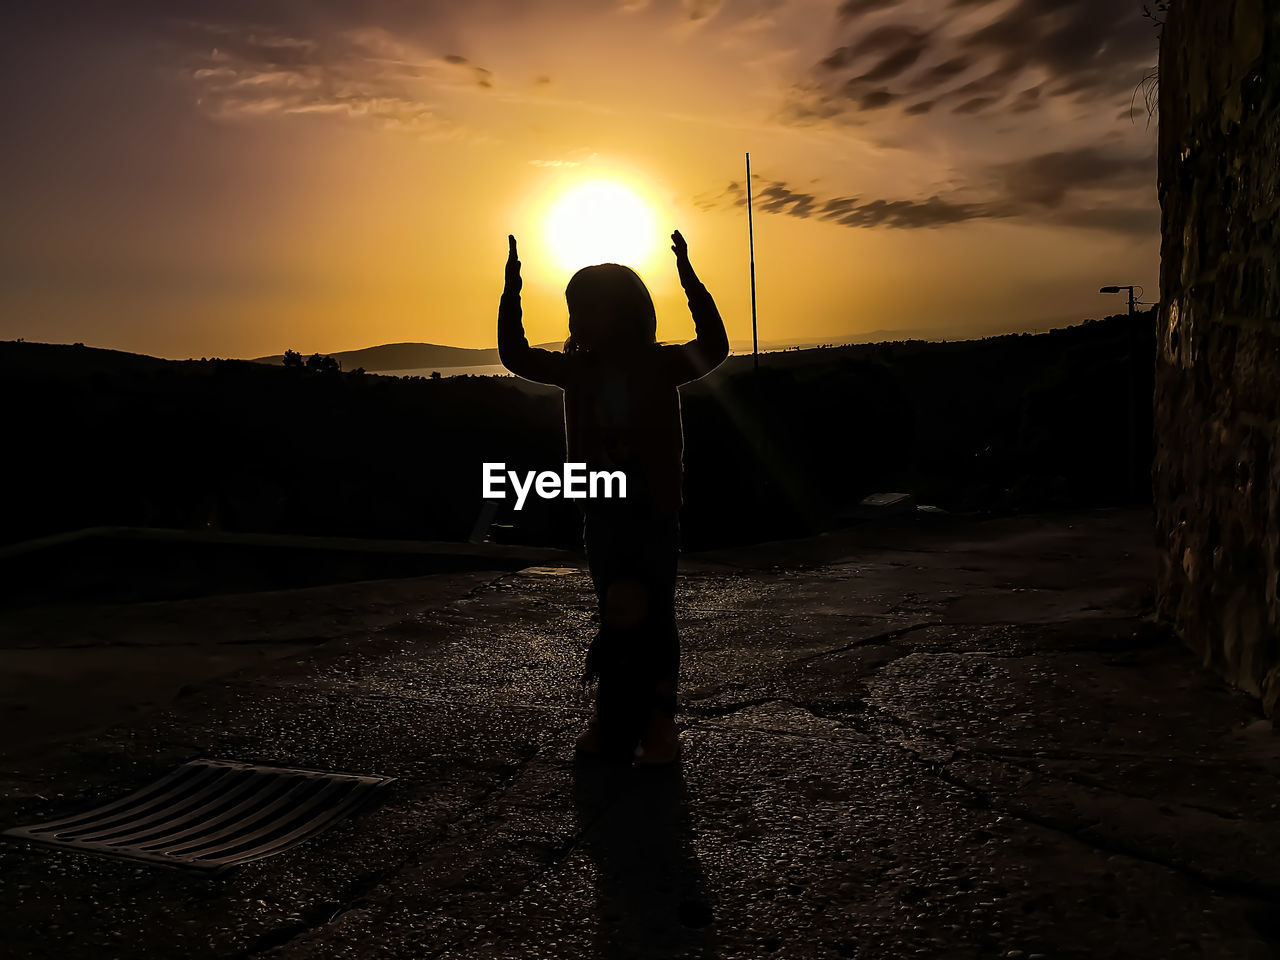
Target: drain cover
[{"x": 211, "y": 814}]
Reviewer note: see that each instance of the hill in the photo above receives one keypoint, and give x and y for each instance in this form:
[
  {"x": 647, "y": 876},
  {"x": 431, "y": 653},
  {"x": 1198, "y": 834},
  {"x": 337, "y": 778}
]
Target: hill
[
  {"x": 410, "y": 356},
  {"x": 63, "y": 361},
  {"x": 422, "y": 356}
]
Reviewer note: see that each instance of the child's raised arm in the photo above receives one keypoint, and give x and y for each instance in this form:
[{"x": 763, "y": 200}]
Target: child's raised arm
[
  {"x": 532, "y": 363},
  {"x": 708, "y": 349}
]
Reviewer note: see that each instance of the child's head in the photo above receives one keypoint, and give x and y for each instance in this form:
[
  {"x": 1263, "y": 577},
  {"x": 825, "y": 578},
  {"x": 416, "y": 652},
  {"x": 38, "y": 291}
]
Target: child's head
[{"x": 610, "y": 310}]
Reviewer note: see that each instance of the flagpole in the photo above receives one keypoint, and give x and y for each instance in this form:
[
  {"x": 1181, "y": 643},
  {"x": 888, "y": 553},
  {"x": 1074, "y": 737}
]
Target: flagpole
[{"x": 751, "y": 240}]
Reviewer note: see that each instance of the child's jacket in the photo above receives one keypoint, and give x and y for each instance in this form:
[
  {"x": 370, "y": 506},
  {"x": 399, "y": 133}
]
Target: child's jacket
[{"x": 623, "y": 414}]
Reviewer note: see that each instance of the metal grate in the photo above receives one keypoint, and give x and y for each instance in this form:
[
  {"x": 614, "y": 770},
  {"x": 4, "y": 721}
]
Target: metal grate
[{"x": 211, "y": 814}]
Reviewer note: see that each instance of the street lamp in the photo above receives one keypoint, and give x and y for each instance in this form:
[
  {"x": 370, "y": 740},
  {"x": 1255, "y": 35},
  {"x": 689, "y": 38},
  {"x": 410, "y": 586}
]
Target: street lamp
[
  {"x": 1132, "y": 418},
  {"x": 1117, "y": 289}
]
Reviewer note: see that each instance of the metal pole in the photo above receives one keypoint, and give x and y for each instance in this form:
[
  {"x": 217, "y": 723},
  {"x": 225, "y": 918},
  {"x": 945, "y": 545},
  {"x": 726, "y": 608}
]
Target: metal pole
[
  {"x": 751, "y": 239},
  {"x": 1131, "y": 481}
]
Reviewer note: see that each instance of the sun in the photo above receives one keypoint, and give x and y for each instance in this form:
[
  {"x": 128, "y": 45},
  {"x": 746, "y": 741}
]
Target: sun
[{"x": 600, "y": 221}]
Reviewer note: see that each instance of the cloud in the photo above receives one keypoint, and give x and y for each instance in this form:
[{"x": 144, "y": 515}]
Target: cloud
[
  {"x": 1080, "y": 51},
  {"x": 1047, "y": 179},
  {"x": 1027, "y": 100},
  {"x": 974, "y": 105},
  {"x": 856, "y": 8},
  {"x": 700, "y": 9},
  {"x": 1002, "y": 110},
  {"x": 482, "y": 77},
  {"x": 363, "y": 74},
  {"x": 894, "y": 39},
  {"x": 930, "y": 212},
  {"x": 576, "y": 158},
  {"x": 777, "y": 197},
  {"x": 1090, "y": 47},
  {"x": 875, "y": 99},
  {"x": 940, "y": 73},
  {"x": 1136, "y": 220},
  {"x": 895, "y": 63},
  {"x": 1088, "y": 188}
]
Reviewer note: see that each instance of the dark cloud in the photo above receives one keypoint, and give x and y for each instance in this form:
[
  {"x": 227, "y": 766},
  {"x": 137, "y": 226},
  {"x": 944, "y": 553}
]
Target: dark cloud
[
  {"x": 856, "y": 8},
  {"x": 1028, "y": 99},
  {"x": 907, "y": 214},
  {"x": 974, "y": 105},
  {"x": 900, "y": 48},
  {"x": 1086, "y": 188},
  {"x": 942, "y": 72},
  {"x": 916, "y": 109},
  {"x": 893, "y": 39},
  {"x": 700, "y": 9},
  {"x": 875, "y": 99},
  {"x": 995, "y": 81},
  {"x": 1089, "y": 50},
  {"x": 835, "y": 59},
  {"x": 731, "y": 196},
  {"x": 1092, "y": 47},
  {"x": 778, "y": 197},
  {"x": 1119, "y": 219},
  {"x": 1047, "y": 179},
  {"x": 895, "y": 63}
]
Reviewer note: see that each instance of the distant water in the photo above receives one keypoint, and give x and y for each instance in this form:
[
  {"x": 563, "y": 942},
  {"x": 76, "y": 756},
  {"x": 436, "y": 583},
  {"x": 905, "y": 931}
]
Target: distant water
[{"x": 480, "y": 370}]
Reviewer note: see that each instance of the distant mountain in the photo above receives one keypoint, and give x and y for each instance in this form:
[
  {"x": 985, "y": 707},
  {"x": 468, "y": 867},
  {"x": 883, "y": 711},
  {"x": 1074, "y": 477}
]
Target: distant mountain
[
  {"x": 932, "y": 334},
  {"x": 419, "y": 356},
  {"x": 411, "y": 356},
  {"x": 58, "y": 359}
]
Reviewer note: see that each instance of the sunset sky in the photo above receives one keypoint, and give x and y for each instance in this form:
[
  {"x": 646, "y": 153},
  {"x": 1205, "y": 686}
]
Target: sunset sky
[{"x": 235, "y": 178}]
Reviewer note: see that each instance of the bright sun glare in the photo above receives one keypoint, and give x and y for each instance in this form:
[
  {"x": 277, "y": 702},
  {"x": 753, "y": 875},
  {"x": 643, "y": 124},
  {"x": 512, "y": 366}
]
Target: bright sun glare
[{"x": 600, "y": 222}]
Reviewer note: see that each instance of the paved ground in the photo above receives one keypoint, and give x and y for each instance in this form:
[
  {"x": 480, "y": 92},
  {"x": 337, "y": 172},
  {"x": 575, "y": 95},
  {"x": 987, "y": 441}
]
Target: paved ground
[{"x": 930, "y": 738}]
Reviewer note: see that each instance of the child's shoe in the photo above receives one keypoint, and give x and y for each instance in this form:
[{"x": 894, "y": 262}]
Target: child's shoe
[
  {"x": 590, "y": 741},
  {"x": 660, "y": 744},
  {"x": 593, "y": 746}
]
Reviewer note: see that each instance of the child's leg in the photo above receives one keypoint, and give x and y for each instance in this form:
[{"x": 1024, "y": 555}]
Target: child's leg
[
  {"x": 666, "y": 635},
  {"x": 661, "y": 743},
  {"x": 612, "y": 658},
  {"x": 636, "y": 655}
]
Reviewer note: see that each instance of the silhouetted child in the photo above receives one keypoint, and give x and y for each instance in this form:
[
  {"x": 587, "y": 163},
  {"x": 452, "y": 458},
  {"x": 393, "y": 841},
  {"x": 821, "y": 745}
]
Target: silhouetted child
[{"x": 622, "y": 412}]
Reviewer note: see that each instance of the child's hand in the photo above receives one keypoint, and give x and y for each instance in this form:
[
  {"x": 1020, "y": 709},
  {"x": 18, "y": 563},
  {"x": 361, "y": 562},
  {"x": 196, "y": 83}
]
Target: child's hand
[
  {"x": 681, "y": 250},
  {"x": 513, "y": 266},
  {"x": 679, "y": 246}
]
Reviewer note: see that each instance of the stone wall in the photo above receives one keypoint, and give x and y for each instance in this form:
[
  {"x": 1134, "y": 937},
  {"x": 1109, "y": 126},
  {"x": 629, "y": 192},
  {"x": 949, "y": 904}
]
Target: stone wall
[{"x": 1216, "y": 475}]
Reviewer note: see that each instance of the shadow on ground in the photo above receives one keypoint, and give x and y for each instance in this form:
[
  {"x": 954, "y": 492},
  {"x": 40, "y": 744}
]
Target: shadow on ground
[{"x": 651, "y": 895}]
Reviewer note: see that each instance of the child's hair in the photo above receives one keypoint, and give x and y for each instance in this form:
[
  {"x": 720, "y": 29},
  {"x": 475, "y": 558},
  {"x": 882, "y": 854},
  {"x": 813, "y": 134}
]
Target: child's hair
[{"x": 609, "y": 310}]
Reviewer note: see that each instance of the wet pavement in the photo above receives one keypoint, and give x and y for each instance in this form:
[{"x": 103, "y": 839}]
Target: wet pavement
[{"x": 922, "y": 737}]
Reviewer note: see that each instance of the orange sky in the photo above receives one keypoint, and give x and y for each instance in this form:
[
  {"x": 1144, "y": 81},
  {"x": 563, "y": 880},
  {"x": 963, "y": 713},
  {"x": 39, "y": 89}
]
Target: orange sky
[{"x": 248, "y": 177}]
